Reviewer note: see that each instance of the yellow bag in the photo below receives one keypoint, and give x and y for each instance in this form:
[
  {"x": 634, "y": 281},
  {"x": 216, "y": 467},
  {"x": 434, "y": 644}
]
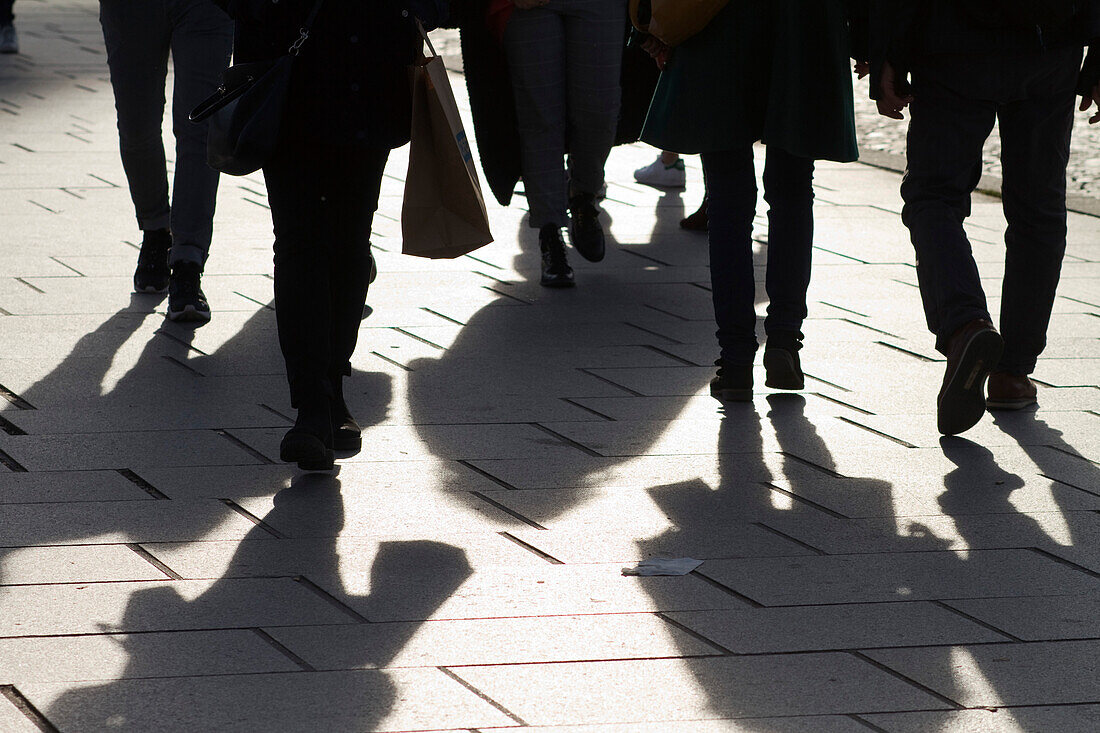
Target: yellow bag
[{"x": 674, "y": 21}]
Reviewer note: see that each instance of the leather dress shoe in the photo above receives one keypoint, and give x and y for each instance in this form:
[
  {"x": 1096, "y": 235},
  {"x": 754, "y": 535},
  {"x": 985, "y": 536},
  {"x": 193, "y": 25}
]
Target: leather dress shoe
[
  {"x": 972, "y": 352},
  {"x": 587, "y": 232},
  {"x": 1010, "y": 391}
]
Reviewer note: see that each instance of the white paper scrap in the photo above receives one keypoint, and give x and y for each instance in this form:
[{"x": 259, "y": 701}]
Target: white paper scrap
[{"x": 664, "y": 566}]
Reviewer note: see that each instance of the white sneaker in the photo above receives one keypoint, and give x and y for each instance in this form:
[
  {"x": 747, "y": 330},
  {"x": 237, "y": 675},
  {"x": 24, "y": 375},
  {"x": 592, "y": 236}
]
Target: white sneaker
[
  {"x": 664, "y": 176},
  {"x": 9, "y": 41}
]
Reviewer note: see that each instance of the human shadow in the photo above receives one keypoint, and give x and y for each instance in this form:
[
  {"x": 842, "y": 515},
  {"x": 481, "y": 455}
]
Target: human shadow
[{"x": 415, "y": 576}]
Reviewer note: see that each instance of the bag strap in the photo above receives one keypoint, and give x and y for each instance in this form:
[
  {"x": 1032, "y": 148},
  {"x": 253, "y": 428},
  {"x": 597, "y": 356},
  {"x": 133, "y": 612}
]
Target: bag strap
[
  {"x": 424, "y": 35},
  {"x": 303, "y": 32}
]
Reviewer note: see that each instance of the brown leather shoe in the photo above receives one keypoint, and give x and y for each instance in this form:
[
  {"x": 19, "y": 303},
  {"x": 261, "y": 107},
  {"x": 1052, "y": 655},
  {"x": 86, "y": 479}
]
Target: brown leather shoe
[
  {"x": 1010, "y": 391},
  {"x": 972, "y": 353}
]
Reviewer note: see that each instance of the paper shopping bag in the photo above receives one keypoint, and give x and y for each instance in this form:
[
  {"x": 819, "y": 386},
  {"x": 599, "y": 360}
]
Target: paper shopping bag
[{"x": 443, "y": 214}]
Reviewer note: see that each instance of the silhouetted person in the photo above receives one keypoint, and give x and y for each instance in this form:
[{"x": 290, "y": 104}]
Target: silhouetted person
[
  {"x": 176, "y": 235},
  {"x": 762, "y": 70},
  {"x": 973, "y": 63},
  {"x": 9, "y": 39},
  {"x": 349, "y": 103}
]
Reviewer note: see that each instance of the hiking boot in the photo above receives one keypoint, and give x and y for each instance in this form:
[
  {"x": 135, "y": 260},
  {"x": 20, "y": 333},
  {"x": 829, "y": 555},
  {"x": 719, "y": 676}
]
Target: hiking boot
[
  {"x": 662, "y": 176},
  {"x": 732, "y": 383},
  {"x": 186, "y": 301},
  {"x": 1010, "y": 391},
  {"x": 784, "y": 370},
  {"x": 9, "y": 40},
  {"x": 972, "y": 353},
  {"x": 556, "y": 272},
  {"x": 151, "y": 275},
  {"x": 587, "y": 232}
]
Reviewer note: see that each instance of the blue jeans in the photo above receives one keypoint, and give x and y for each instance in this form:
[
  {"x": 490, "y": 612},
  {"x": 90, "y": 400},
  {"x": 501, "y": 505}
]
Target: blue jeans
[
  {"x": 139, "y": 35},
  {"x": 951, "y": 117},
  {"x": 731, "y": 188}
]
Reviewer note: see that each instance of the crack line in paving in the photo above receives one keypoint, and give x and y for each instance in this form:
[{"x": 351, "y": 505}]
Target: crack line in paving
[
  {"x": 510, "y": 512},
  {"x": 32, "y": 287},
  {"x": 178, "y": 340},
  {"x": 694, "y": 634},
  {"x": 975, "y": 620},
  {"x": 1063, "y": 561},
  {"x": 670, "y": 355},
  {"x": 421, "y": 339},
  {"x": 914, "y": 354},
  {"x": 531, "y": 548},
  {"x": 10, "y": 428},
  {"x": 387, "y": 359},
  {"x": 516, "y": 298},
  {"x": 788, "y": 537},
  {"x": 842, "y": 403},
  {"x": 331, "y": 599},
  {"x": 250, "y": 299},
  {"x": 653, "y": 333},
  {"x": 566, "y": 440},
  {"x": 587, "y": 409},
  {"x": 903, "y": 678},
  {"x": 842, "y": 308},
  {"x": 654, "y": 260},
  {"x": 273, "y": 411},
  {"x": 244, "y": 446},
  {"x": 899, "y": 441},
  {"x": 628, "y": 390},
  {"x": 153, "y": 560},
  {"x": 483, "y": 262},
  {"x": 1067, "y": 483},
  {"x": 726, "y": 589},
  {"x": 803, "y": 500},
  {"x": 131, "y": 476},
  {"x": 440, "y": 315},
  {"x": 1070, "y": 453},
  {"x": 182, "y": 365},
  {"x": 278, "y": 645},
  {"x": 252, "y": 518},
  {"x": 15, "y": 399},
  {"x": 487, "y": 475},
  {"x": 826, "y": 381},
  {"x": 11, "y": 464},
  {"x": 23, "y": 705},
  {"x": 811, "y": 464},
  {"x": 869, "y": 328},
  {"x": 866, "y": 723},
  {"x": 483, "y": 696}
]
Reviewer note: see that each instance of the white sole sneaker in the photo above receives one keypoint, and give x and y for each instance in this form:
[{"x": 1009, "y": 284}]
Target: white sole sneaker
[{"x": 662, "y": 176}]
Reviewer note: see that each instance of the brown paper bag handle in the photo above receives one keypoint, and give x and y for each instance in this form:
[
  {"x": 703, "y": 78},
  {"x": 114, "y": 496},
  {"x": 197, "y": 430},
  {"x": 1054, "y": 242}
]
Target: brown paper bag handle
[{"x": 428, "y": 41}]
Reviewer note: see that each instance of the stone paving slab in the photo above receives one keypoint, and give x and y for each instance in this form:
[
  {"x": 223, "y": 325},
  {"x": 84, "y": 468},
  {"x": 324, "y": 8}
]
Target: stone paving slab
[
  {"x": 491, "y": 641},
  {"x": 1003, "y": 674},
  {"x": 728, "y": 687},
  {"x": 394, "y": 700},
  {"x": 1063, "y": 718},
  {"x": 160, "y": 570},
  {"x": 108, "y": 656}
]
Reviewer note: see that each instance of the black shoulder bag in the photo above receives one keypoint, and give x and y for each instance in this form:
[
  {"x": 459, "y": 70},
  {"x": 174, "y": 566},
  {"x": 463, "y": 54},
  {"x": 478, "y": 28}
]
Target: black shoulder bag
[{"x": 246, "y": 111}]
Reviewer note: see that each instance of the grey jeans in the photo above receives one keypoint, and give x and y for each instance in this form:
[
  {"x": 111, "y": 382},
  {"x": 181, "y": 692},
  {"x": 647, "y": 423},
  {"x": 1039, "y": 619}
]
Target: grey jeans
[
  {"x": 565, "y": 59},
  {"x": 140, "y": 35}
]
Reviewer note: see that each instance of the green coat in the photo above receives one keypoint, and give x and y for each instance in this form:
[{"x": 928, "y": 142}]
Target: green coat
[{"x": 775, "y": 71}]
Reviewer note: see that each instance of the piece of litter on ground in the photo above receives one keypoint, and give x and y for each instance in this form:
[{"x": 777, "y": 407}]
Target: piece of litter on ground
[{"x": 664, "y": 566}]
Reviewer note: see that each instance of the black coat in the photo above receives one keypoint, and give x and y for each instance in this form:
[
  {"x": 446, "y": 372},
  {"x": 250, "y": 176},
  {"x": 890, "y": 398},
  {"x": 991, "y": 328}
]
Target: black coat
[
  {"x": 350, "y": 84},
  {"x": 905, "y": 31}
]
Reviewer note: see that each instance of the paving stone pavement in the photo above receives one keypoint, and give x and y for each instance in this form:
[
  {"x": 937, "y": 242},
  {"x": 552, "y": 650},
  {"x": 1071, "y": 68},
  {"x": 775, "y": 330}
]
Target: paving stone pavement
[{"x": 161, "y": 571}]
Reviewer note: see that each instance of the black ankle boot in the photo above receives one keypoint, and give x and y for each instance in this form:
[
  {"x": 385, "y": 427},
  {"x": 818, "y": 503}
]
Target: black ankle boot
[
  {"x": 309, "y": 442},
  {"x": 151, "y": 275},
  {"x": 556, "y": 272},
  {"x": 587, "y": 232},
  {"x": 781, "y": 362},
  {"x": 733, "y": 383},
  {"x": 347, "y": 435}
]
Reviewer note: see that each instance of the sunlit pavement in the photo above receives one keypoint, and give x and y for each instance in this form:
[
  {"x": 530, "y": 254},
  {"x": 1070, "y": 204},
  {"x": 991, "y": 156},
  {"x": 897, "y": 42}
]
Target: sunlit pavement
[{"x": 160, "y": 570}]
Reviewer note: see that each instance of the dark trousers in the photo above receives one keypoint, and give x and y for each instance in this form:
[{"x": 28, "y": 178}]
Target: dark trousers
[
  {"x": 139, "y": 38},
  {"x": 322, "y": 206},
  {"x": 6, "y": 15},
  {"x": 788, "y": 190},
  {"x": 956, "y": 102}
]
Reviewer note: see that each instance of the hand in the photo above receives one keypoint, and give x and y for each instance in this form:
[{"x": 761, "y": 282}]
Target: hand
[
  {"x": 862, "y": 69},
  {"x": 530, "y": 4},
  {"x": 891, "y": 101},
  {"x": 658, "y": 50},
  {"x": 1087, "y": 100}
]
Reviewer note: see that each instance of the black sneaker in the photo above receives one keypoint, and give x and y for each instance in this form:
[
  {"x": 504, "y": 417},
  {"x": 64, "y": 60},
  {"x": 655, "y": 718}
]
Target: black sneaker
[
  {"x": 151, "y": 275},
  {"x": 186, "y": 301},
  {"x": 556, "y": 272},
  {"x": 587, "y": 232},
  {"x": 733, "y": 383}
]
